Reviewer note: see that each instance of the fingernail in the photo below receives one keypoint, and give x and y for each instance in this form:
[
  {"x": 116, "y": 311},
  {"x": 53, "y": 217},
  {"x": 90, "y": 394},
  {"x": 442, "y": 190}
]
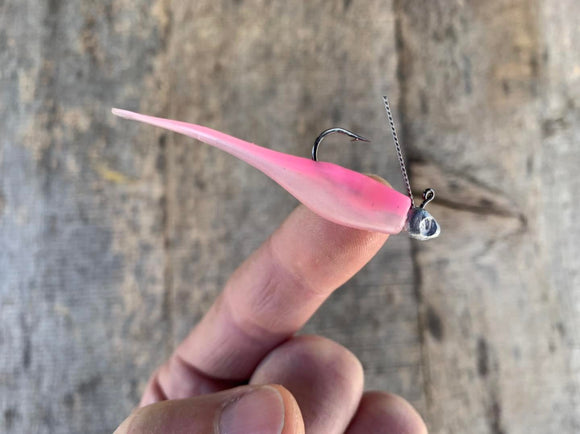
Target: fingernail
[
  {"x": 378, "y": 178},
  {"x": 259, "y": 411}
]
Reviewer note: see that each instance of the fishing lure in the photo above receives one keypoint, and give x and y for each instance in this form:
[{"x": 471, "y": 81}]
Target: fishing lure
[{"x": 335, "y": 193}]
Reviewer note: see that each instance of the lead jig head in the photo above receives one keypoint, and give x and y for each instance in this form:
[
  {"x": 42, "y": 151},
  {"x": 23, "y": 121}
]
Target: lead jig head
[{"x": 421, "y": 225}]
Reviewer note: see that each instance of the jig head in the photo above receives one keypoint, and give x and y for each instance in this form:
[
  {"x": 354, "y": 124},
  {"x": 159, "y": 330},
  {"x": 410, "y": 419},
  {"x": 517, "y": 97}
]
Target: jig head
[{"x": 421, "y": 225}]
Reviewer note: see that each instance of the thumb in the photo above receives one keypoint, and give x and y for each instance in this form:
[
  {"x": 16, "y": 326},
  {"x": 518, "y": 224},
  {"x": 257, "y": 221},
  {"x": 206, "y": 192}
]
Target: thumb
[{"x": 245, "y": 409}]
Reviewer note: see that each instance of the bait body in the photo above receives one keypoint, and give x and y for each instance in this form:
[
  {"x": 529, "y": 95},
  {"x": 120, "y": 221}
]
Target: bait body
[{"x": 335, "y": 193}]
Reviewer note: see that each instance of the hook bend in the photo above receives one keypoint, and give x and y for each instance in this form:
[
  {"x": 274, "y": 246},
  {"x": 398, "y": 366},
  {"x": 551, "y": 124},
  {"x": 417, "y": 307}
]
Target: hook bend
[{"x": 355, "y": 138}]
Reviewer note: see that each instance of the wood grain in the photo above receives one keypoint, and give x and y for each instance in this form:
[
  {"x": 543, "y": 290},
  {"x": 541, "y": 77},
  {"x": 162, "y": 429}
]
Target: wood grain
[
  {"x": 498, "y": 345},
  {"x": 115, "y": 238}
]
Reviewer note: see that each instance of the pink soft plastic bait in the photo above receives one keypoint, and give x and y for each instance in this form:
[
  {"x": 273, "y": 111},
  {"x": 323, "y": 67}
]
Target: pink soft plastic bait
[{"x": 335, "y": 193}]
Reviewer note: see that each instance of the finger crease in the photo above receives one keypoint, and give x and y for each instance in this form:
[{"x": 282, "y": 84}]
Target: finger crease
[
  {"x": 251, "y": 328},
  {"x": 295, "y": 277},
  {"x": 196, "y": 373}
]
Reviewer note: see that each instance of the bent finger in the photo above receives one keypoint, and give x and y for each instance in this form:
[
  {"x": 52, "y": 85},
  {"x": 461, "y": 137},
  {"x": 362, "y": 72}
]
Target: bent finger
[
  {"x": 267, "y": 299},
  {"x": 276, "y": 291},
  {"x": 247, "y": 409}
]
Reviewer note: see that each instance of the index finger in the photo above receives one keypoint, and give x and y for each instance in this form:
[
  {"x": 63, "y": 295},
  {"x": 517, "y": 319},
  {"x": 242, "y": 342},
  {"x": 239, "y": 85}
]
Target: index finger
[{"x": 267, "y": 299}]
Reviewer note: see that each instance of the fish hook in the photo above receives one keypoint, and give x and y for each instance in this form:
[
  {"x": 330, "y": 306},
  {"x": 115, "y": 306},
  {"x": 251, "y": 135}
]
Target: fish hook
[{"x": 320, "y": 138}]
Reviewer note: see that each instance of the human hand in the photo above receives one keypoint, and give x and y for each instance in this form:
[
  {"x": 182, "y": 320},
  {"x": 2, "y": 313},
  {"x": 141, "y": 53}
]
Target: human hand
[{"x": 242, "y": 370}]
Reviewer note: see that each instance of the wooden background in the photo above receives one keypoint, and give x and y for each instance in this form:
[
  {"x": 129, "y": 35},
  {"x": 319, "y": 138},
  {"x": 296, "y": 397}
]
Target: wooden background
[{"x": 115, "y": 237}]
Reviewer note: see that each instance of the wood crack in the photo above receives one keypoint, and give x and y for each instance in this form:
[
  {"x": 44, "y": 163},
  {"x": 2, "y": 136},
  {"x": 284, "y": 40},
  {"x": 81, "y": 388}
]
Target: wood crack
[{"x": 469, "y": 194}]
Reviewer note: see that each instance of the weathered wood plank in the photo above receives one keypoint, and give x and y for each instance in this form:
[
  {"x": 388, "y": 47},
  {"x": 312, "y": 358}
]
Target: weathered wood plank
[
  {"x": 134, "y": 231},
  {"x": 559, "y": 205},
  {"x": 498, "y": 328},
  {"x": 81, "y": 263},
  {"x": 115, "y": 238}
]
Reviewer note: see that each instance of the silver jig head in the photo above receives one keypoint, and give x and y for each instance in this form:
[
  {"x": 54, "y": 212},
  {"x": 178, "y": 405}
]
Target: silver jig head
[
  {"x": 421, "y": 225},
  {"x": 355, "y": 138}
]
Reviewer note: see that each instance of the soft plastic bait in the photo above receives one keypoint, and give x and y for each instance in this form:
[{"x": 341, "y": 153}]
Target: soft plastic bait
[{"x": 335, "y": 193}]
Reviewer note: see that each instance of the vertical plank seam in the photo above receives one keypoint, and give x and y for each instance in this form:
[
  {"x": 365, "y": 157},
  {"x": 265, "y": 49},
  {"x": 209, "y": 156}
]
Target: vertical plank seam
[
  {"x": 404, "y": 128},
  {"x": 168, "y": 215},
  {"x": 169, "y": 203}
]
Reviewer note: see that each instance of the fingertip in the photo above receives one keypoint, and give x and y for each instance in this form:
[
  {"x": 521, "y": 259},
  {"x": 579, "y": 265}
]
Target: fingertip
[
  {"x": 379, "y": 179},
  {"x": 326, "y": 253},
  {"x": 381, "y": 412}
]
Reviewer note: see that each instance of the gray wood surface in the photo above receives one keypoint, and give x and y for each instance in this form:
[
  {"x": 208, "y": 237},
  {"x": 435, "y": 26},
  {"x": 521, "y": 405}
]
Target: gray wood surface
[{"x": 115, "y": 237}]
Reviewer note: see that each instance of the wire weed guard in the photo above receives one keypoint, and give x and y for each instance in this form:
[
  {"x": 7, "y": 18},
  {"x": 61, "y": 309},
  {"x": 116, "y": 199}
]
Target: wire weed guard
[{"x": 421, "y": 225}]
